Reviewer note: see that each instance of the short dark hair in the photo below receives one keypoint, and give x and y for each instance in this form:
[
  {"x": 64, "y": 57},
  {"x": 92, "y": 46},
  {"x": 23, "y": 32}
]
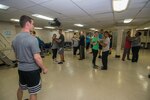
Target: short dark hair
[
  {"x": 106, "y": 32},
  {"x": 24, "y": 19},
  {"x": 34, "y": 32},
  {"x": 139, "y": 33}
]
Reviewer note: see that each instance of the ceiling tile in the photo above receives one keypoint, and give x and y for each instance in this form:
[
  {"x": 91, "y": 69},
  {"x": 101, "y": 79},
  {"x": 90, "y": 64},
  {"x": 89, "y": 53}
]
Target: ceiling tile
[
  {"x": 148, "y": 5},
  {"x": 137, "y": 3},
  {"x": 39, "y": 1},
  {"x": 129, "y": 13},
  {"x": 96, "y": 6},
  {"x": 144, "y": 13},
  {"x": 64, "y": 7},
  {"x": 101, "y": 17},
  {"x": 37, "y": 9},
  {"x": 19, "y": 4},
  {"x": 10, "y": 10}
]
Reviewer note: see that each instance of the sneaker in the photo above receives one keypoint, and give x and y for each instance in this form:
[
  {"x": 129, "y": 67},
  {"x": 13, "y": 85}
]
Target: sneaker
[
  {"x": 60, "y": 62},
  {"x": 99, "y": 56},
  {"x": 102, "y": 68},
  {"x": 123, "y": 60},
  {"x": 95, "y": 67}
]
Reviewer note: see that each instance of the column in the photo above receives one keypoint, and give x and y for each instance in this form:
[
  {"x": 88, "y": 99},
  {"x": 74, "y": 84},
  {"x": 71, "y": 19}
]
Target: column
[
  {"x": 146, "y": 41},
  {"x": 119, "y": 42}
]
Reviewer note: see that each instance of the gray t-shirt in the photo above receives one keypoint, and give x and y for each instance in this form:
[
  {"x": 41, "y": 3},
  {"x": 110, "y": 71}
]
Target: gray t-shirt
[
  {"x": 25, "y": 46},
  {"x": 54, "y": 45},
  {"x": 136, "y": 41}
]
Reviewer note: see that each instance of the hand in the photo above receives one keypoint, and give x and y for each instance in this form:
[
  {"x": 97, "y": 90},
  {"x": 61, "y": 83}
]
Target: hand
[{"x": 45, "y": 70}]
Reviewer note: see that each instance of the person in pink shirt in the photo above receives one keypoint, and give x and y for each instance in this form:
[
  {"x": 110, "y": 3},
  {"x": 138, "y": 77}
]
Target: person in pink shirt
[{"x": 127, "y": 47}]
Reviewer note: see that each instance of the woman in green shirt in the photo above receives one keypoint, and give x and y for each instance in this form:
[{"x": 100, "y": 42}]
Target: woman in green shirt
[{"x": 95, "y": 42}]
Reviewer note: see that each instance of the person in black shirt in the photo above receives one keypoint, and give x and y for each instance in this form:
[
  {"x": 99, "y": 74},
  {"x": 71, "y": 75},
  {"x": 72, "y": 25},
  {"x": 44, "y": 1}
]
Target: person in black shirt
[
  {"x": 82, "y": 45},
  {"x": 61, "y": 41}
]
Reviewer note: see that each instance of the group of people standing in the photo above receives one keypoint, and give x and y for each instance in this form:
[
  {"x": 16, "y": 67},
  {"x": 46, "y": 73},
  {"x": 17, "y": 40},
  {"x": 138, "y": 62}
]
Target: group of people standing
[
  {"x": 135, "y": 44},
  {"x": 98, "y": 42},
  {"x": 30, "y": 64}
]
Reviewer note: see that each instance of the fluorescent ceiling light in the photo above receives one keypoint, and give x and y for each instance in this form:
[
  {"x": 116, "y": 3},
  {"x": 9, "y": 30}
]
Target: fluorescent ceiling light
[
  {"x": 66, "y": 31},
  {"x": 147, "y": 28},
  {"x": 79, "y": 25},
  {"x": 93, "y": 29},
  {"x": 120, "y": 5},
  {"x": 3, "y": 7},
  {"x": 42, "y": 17},
  {"x": 76, "y": 31},
  {"x": 69, "y": 30},
  {"x": 49, "y": 27},
  {"x": 38, "y": 28},
  {"x": 15, "y": 20},
  {"x": 127, "y": 20}
]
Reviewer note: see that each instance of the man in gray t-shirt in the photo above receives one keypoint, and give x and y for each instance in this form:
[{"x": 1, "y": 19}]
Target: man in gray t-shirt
[
  {"x": 25, "y": 46},
  {"x": 29, "y": 60},
  {"x": 61, "y": 41}
]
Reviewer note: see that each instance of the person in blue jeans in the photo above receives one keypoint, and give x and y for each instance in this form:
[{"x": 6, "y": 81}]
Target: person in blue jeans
[
  {"x": 105, "y": 50},
  {"x": 95, "y": 47}
]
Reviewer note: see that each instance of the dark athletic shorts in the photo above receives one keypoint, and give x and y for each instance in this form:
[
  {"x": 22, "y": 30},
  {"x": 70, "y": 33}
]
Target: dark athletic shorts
[
  {"x": 61, "y": 51},
  {"x": 30, "y": 80}
]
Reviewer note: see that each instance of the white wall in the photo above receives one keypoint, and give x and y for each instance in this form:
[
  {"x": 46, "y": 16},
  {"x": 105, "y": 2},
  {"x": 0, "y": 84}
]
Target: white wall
[
  {"x": 46, "y": 35},
  {"x": 8, "y": 32}
]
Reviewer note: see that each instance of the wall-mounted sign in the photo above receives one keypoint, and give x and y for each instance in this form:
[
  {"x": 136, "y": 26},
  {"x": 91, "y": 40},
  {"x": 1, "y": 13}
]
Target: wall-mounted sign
[{"x": 7, "y": 33}]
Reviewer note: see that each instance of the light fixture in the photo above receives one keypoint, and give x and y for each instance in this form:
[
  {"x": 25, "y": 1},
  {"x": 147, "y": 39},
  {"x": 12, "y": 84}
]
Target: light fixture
[
  {"x": 93, "y": 29},
  {"x": 38, "y": 28},
  {"x": 120, "y": 5},
  {"x": 76, "y": 31},
  {"x": 42, "y": 17},
  {"x": 146, "y": 28},
  {"x": 79, "y": 25},
  {"x": 69, "y": 30},
  {"x": 3, "y": 7},
  {"x": 49, "y": 27},
  {"x": 15, "y": 20},
  {"x": 127, "y": 20}
]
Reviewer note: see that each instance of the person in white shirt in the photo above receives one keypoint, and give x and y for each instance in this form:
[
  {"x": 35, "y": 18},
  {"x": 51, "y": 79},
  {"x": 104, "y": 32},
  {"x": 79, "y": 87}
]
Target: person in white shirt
[
  {"x": 75, "y": 41},
  {"x": 105, "y": 50}
]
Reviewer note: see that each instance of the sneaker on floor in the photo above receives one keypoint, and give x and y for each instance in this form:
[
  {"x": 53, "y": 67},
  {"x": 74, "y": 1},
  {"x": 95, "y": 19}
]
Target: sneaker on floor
[
  {"x": 123, "y": 60},
  {"x": 103, "y": 68},
  {"x": 99, "y": 56},
  {"x": 95, "y": 67},
  {"x": 60, "y": 62}
]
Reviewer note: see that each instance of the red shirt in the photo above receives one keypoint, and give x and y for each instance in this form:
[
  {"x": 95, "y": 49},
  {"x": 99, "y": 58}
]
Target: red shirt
[{"x": 127, "y": 43}]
